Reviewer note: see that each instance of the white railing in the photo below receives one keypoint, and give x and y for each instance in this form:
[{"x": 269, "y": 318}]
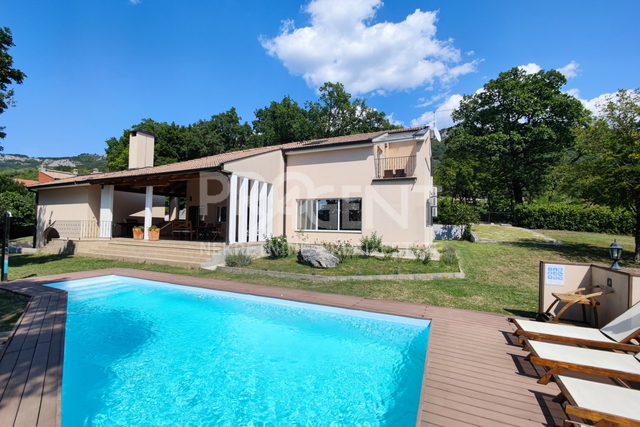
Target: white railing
[{"x": 82, "y": 229}]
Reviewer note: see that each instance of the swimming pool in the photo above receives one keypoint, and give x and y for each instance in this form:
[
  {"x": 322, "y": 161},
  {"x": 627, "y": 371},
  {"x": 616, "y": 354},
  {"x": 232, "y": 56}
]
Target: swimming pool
[{"x": 139, "y": 352}]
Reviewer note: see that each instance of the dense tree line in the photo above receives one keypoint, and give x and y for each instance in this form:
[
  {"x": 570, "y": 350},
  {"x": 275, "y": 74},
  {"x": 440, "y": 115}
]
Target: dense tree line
[{"x": 334, "y": 114}]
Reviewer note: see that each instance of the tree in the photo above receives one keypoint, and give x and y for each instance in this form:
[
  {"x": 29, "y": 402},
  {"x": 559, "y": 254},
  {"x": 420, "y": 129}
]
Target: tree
[
  {"x": 518, "y": 127},
  {"x": 607, "y": 171},
  {"x": 280, "y": 123},
  {"x": 15, "y": 198},
  {"x": 8, "y": 74},
  {"x": 336, "y": 115}
]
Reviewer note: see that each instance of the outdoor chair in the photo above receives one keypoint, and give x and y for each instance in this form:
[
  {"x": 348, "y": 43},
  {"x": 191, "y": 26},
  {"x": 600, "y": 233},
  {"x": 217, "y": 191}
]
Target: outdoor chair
[
  {"x": 559, "y": 358},
  {"x": 616, "y": 334},
  {"x": 602, "y": 404},
  {"x": 181, "y": 227}
]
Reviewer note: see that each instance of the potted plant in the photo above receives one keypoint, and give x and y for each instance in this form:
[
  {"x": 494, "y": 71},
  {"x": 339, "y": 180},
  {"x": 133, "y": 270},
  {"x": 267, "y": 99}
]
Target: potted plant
[
  {"x": 138, "y": 232},
  {"x": 154, "y": 233}
]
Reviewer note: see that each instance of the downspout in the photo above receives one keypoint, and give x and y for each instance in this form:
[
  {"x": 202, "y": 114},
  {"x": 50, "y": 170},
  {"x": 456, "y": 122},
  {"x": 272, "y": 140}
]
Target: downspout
[
  {"x": 35, "y": 226},
  {"x": 284, "y": 197}
]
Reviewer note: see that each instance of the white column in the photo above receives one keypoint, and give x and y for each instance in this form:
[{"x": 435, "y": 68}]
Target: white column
[
  {"x": 106, "y": 211},
  {"x": 232, "y": 210},
  {"x": 253, "y": 210},
  {"x": 269, "y": 214},
  {"x": 262, "y": 217},
  {"x": 243, "y": 206},
  {"x": 148, "y": 211}
]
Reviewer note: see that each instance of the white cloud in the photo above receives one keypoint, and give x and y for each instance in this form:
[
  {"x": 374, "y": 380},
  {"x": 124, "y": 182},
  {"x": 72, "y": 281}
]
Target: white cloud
[
  {"x": 341, "y": 46},
  {"x": 570, "y": 70},
  {"x": 393, "y": 121},
  {"x": 593, "y": 104},
  {"x": 442, "y": 115},
  {"x": 134, "y": 1},
  {"x": 434, "y": 98},
  {"x": 470, "y": 53},
  {"x": 530, "y": 68}
]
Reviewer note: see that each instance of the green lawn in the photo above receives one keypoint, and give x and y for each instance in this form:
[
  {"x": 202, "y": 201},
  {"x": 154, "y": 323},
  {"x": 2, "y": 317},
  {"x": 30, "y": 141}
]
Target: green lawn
[
  {"x": 356, "y": 266},
  {"x": 500, "y": 277},
  {"x": 506, "y": 233}
]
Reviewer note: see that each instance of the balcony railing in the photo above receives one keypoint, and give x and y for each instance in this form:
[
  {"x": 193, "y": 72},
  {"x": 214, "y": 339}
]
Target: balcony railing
[
  {"x": 395, "y": 167},
  {"x": 79, "y": 229}
]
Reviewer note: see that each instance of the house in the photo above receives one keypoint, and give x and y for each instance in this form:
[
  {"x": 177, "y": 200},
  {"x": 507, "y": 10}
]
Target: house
[{"x": 321, "y": 190}]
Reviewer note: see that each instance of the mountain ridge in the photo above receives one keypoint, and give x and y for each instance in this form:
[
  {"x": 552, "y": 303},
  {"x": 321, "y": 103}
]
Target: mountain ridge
[{"x": 18, "y": 162}]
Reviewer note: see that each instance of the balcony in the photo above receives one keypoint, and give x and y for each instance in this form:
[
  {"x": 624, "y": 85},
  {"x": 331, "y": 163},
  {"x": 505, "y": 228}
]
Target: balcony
[{"x": 395, "y": 167}]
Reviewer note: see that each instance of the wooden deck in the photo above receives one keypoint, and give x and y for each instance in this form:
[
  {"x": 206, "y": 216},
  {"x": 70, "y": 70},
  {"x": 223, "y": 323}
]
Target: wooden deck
[{"x": 475, "y": 375}]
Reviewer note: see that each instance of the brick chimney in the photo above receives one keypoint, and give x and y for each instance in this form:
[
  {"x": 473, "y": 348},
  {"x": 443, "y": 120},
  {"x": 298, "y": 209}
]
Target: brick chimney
[{"x": 141, "y": 144}]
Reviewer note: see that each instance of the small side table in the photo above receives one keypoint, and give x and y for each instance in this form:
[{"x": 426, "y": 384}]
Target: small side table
[{"x": 577, "y": 297}]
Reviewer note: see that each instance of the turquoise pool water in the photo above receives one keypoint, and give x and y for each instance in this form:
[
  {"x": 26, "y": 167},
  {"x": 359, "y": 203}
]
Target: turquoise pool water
[{"x": 143, "y": 353}]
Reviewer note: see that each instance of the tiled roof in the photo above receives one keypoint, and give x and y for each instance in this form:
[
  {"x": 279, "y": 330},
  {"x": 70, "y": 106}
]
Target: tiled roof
[
  {"x": 25, "y": 181},
  {"x": 210, "y": 162},
  {"x": 55, "y": 174}
]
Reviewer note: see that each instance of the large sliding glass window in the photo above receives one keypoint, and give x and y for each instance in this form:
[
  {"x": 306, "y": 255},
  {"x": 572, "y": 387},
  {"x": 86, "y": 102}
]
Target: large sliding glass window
[{"x": 330, "y": 214}]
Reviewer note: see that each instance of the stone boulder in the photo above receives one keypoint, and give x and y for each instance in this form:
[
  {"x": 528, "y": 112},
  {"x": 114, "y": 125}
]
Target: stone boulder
[{"x": 317, "y": 257}]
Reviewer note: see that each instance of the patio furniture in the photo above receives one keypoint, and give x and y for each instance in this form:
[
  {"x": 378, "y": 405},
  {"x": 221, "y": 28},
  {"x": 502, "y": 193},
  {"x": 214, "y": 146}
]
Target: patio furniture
[
  {"x": 616, "y": 334},
  {"x": 207, "y": 232},
  {"x": 577, "y": 297},
  {"x": 400, "y": 173},
  {"x": 181, "y": 227},
  {"x": 388, "y": 173},
  {"x": 602, "y": 404},
  {"x": 559, "y": 358}
]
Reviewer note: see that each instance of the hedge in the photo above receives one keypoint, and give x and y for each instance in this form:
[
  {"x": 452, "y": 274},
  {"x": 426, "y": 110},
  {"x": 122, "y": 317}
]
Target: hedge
[
  {"x": 574, "y": 218},
  {"x": 455, "y": 212}
]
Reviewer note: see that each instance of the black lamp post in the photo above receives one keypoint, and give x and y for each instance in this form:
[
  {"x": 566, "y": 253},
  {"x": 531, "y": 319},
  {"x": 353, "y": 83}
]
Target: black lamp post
[
  {"x": 615, "y": 253},
  {"x": 4, "y": 276}
]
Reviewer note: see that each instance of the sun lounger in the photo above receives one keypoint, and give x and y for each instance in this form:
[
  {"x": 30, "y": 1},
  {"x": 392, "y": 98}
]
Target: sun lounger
[
  {"x": 603, "y": 404},
  {"x": 559, "y": 358},
  {"x": 616, "y": 334}
]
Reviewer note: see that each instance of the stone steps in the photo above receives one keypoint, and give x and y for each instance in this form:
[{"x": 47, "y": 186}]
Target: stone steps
[{"x": 186, "y": 254}]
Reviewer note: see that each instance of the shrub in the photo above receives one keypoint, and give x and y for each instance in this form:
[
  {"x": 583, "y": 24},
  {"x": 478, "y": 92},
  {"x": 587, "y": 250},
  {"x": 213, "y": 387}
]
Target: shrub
[
  {"x": 561, "y": 216},
  {"x": 153, "y": 227},
  {"x": 455, "y": 212},
  {"x": 388, "y": 251},
  {"x": 277, "y": 247},
  {"x": 340, "y": 249},
  {"x": 449, "y": 255},
  {"x": 237, "y": 258},
  {"x": 370, "y": 244},
  {"x": 422, "y": 253}
]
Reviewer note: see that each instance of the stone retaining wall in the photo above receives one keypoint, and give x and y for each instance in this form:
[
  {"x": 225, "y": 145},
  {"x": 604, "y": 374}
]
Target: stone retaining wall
[{"x": 318, "y": 278}]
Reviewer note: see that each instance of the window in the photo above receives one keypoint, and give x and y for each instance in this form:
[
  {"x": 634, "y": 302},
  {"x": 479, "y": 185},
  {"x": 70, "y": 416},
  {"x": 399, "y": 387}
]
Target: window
[
  {"x": 330, "y": 214},
  {"x": 222, "y": 214}
]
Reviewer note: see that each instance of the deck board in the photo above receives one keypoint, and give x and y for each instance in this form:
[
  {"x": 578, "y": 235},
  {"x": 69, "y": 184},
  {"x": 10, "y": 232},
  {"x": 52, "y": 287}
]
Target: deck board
[{"x": 475, "y": 375}]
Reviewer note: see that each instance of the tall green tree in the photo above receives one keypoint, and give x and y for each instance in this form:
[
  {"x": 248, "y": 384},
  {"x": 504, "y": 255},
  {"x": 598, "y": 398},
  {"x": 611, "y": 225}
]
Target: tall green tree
[
  {"x": 607, "y": 171},
  {"x": 280, "y": 123},
  {"x": 15, "y": 198},
  {"x": 518, "y": 127},
  {"x": 336, "y": 115},
  {"x": 8, "y": 74}
]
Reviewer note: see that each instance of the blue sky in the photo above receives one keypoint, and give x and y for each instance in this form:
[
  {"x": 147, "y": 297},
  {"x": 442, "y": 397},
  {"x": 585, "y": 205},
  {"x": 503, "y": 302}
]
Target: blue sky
[{"x": 96, "y": 67}]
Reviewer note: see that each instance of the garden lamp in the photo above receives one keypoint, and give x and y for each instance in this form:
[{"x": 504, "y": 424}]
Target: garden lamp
[{"x": 615, "y": 253}]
